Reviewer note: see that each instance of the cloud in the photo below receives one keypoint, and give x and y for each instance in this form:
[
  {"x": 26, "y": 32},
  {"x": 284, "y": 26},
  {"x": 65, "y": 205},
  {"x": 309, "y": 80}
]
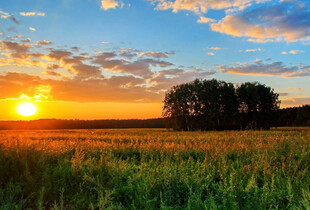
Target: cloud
[
  {"x": 32, "y": 29},
  {"x": 103, "y": 76},
  {"x": 140, "y": 67},
  {"x": 295, "y": 101},
  {"x": 293, "y": 88},
  {"x": 253, "y": 50},
  {"x": 52, "y": 66},
  {"x": 86, "y": 70},
  {"x": 27, "y": 13},
  {"x": 210, "y": 54},
  {"x": 57, "y": 55},
  {"x": 6, "y": 15},
  {"x": 75, "y": 49},
  {"x": 205, "y": 20},
  {"x": 53, "y": 73},
  {"x": 293, "y": 52},
  {"x": 113, "y": 89},
  {"x": 154, "y": 54},
  {"x": 43, "y": 42},
  {"x": 283, "y": 94},
  {"x": 128, "y": 53},
  {"x": 214, "y": 48},
  {"x": 14, "y": 19},
  {"x": 103, "y": 42},
  {"x": 268, "y": 23},
  {"x": 32, "y": 14},
  {"x": 111, "y": 4},
  {"x": 26, "y": 40},
  {"x": 260, "y": 69},
  {"x": 202, "y": 6},
  {"x": 164, "y": 79},
  {"x": 17, "y": 50}
]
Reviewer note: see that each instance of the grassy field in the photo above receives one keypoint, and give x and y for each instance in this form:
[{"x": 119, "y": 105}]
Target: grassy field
[{"x": 155, "y": 169}]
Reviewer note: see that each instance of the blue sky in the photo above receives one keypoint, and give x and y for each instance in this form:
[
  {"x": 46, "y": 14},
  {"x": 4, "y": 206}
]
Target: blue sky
[{"x": 138, "y": 49}]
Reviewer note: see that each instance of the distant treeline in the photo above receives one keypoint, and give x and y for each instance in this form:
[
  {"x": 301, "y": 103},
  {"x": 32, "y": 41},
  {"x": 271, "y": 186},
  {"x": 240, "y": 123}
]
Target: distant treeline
[
  {"x": 294, "y": 116},
  {"x": 80, "y": 124}
]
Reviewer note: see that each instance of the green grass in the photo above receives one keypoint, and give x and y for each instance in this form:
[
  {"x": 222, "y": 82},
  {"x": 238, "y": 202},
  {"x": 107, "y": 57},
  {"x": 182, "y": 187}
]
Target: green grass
[{"x": 155, "y": 169}]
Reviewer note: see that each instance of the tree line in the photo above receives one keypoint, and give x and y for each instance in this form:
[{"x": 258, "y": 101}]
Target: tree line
[
  {"x": 293, "y": 116},
  {"x": 218, "y": 105},
  {"x": 81, "y": 124}
]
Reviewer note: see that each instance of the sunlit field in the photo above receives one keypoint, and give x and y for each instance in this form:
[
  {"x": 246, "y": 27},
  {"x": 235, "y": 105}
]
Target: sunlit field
[{"x": 155, "y": 169}]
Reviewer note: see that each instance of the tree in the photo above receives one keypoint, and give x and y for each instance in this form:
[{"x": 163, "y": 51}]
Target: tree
[
  {"x": 257, "y": 104},
  {"x": 217, "y": 105},
  {"x": 201, "y": 105},
  {"x": 177, "y": 107},
  {"x": 303, "y": 116}
]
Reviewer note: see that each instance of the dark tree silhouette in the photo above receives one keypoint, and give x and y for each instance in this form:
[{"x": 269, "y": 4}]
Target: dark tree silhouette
[
  {"x": 217, "y": 105},
  {"x": 201, "y": 105},
  {"x": 257, "y": 105}
]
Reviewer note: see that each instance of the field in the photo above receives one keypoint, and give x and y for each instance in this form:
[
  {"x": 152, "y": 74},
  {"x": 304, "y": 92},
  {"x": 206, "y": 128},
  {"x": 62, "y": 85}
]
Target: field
[{"x": 155, "y": 169}]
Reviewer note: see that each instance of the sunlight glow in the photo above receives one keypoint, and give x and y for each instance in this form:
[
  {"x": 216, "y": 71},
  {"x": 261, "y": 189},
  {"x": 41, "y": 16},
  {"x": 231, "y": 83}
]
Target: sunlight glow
[{"x": 26, "y": 109}]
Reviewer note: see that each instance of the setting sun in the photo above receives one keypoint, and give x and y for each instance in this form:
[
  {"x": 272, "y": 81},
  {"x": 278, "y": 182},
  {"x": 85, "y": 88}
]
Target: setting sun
[{"x": 26, "y": 109}]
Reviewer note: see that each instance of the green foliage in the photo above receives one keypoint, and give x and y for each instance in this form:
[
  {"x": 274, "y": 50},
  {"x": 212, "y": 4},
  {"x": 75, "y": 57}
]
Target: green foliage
[{"x": 155, "y": 169}]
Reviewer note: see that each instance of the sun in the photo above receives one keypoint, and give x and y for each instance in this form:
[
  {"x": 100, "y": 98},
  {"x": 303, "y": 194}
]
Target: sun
[{"x": 26, "y": 109}]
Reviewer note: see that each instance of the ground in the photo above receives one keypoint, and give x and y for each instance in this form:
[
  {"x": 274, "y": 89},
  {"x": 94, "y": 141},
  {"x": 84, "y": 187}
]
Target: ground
[{"x": 155, "y": 169}]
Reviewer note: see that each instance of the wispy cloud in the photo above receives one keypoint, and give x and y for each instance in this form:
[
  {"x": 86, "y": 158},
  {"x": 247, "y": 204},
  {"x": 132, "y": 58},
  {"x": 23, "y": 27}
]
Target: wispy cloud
[
  {"x": 32, "y": 29},
  {"x": 260, "y": 69},
  {"x": 6, "y": 15},
  {"x": 43, "y": 42},
  {"x": 214, "y": 48},
  {"x": 32, "y": 14},
  {"x": 253, "y": 50},
  {"x": 293, "y": 52},
  {"x": 294, "y": 88}
]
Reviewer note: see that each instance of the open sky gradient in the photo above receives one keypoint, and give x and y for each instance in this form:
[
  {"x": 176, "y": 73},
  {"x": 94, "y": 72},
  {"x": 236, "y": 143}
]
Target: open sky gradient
[{"x": 116, "y": 58}]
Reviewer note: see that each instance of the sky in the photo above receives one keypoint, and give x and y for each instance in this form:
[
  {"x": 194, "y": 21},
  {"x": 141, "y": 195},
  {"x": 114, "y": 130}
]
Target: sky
[{"x": 117, "y": 58}]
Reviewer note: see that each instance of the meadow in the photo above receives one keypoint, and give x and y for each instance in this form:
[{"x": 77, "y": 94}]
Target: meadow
[{"x": 155, "y": 169}]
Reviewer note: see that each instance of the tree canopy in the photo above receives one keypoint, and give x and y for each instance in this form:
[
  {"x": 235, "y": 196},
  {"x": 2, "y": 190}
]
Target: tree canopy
[{"x": 218, "y": 105}]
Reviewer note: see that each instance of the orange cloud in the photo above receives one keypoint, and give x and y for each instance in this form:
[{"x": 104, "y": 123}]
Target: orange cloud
[
  {"x": 202, "y": 6},
  {"x": 214, "y": 48},
  {"x": 131, "y": 80},
  {"x": 111, "y": 4},
  {"x": 205, "y": 20}
]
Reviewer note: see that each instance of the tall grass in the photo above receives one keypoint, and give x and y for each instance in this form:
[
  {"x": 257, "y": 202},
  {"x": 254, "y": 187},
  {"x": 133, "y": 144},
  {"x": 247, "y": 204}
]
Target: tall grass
[{"x": 155, "y": 169}]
